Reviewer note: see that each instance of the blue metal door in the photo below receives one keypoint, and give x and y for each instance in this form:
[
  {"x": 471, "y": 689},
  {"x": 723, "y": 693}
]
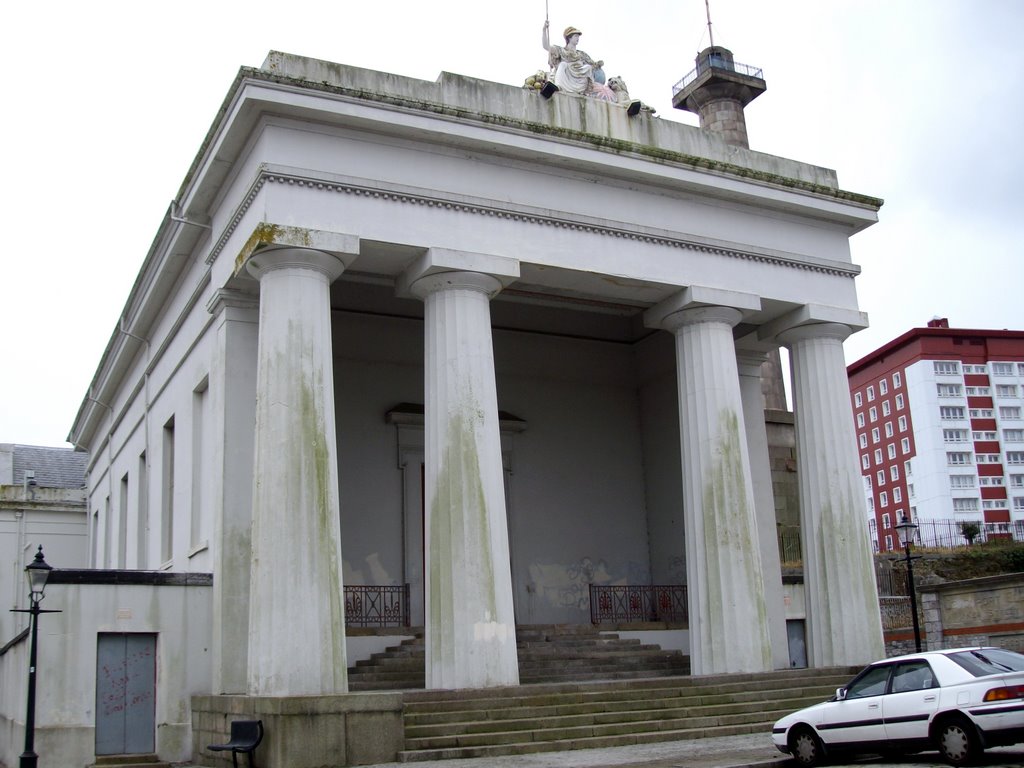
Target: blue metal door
[{"x": 125, "y": 694}]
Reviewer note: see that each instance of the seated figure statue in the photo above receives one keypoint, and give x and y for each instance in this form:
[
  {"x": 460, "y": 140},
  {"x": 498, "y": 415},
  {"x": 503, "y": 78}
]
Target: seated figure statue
[{"x": 572, "y": 70}]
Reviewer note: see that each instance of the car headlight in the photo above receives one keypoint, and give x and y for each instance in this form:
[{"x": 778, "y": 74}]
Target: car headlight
[{"x": 1004, "y": 693}]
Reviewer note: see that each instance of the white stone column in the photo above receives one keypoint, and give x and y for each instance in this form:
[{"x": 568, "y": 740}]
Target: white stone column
[
  {"x": 296, "y": 621},
  {"x": 750, "y": 367},
  {"x": 470, "y": 626},
  {"x": 728, "y": 620},
  {"x": 232, "y": 409},
  {"x": 844, "y": 625}
]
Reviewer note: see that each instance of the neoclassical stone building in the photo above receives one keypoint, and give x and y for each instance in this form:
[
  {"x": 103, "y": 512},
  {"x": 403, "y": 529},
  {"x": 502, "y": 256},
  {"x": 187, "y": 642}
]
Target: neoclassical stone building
[{"x": 494, "y": 346}]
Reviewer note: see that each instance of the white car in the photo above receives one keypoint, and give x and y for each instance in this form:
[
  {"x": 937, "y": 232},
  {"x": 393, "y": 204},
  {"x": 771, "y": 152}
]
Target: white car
[{"x": 958, "y": 701}]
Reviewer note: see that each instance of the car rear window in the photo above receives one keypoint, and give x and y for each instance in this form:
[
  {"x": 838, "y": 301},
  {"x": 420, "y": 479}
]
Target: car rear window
[{"x": 989, "y": 661}]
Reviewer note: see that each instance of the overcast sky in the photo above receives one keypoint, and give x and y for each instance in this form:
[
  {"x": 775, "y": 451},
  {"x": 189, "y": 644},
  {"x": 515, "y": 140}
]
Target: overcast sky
[{"x": 106, "y": 103}]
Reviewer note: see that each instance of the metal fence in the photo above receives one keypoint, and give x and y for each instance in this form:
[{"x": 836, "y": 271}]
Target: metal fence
[
  {"x": 614, "y": 604},
  {"x": 373, "y": 606},
  {"x": 717, "y": 62}
]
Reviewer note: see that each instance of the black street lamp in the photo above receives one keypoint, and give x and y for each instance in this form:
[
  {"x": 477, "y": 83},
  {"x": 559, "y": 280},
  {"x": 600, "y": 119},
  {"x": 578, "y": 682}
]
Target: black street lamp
[
  {"x": 906, "y": 530},
  {"x": 38, "y": 572}
]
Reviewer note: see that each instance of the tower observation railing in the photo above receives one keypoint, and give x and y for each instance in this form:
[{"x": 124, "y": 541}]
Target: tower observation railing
[{"x": 717, "y": 62}]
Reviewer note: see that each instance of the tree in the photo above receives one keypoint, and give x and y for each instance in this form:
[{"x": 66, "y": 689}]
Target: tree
[{"x": 970, "y": 531}]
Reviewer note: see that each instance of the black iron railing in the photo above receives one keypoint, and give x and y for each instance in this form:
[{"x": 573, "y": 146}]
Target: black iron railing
[
  {"x": 371, "y": 606},
  {"x": 717, "y": 62},
  {"x": 644, "y": 603}
]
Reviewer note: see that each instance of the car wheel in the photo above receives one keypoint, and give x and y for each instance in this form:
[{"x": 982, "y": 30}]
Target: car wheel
[
  {"x": 958, "y": 741},
  {"x": 805, "y": 746}
]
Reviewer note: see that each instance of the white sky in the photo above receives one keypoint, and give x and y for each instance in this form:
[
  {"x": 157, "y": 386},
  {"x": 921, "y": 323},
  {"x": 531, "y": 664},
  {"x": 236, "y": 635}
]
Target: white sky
[{"x": 914, "y": 101}]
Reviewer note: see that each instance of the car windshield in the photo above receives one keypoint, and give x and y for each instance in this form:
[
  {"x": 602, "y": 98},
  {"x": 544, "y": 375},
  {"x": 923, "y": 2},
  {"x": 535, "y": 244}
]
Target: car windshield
[{"x": 989, "y": 661}]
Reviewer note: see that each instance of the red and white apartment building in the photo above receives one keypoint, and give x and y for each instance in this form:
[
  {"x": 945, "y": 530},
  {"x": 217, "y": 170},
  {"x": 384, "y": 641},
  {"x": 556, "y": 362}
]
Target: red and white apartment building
[{"x": 939, "y": 415}]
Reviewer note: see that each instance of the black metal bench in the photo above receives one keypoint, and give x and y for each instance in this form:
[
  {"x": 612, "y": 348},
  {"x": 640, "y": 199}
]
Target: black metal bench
[{"x": 246, "y": 735}]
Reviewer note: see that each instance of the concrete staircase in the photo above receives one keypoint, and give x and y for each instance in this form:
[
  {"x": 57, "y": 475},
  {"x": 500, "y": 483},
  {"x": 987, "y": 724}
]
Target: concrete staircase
[
  {"x": 440, "y": 725},
  {"x": 547, "y": 653}
]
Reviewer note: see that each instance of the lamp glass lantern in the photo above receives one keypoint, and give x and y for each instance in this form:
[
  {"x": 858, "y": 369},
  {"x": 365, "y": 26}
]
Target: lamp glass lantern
[
  {"x": 38, "y": 571},
  {"x": 906, "y": 530}
]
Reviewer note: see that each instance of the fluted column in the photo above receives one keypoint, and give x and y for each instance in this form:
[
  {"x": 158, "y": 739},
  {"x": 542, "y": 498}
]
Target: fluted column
[
  {"x": 843, "y": 621},
  {"x": 297, "y": 630},
  {"x": 751, "y": 371},
  {"x": 728, "y": 620},
  {"x": 470, "y": 626}
]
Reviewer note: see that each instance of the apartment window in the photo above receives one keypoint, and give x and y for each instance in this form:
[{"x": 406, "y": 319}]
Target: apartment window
[
  {"x": 871, "y": 394},
  {"x": 858, "y": 400},
  {"x": 883, "y": 499},
  {"x": 860, "y": 420},
  {"x": 1002, "y": 369},
  {"x": 1017, "y": 481},
  {"x": 883, "y": 387},
  {"x": 886, "y": 409},
  {"x": 1013, "y": 435},
  {"x": 899, "y": 402},
  {"x": 894, "y": 472},
  {"x": 897, "y": 379},
  {"x": 1018, "y": 503},
  {"x": 905, "y": 445},
  {"x": 886, "y": 520},
  {"x": 902, "y": 423},
  {"x": 880, "y": 475},
  {"x": 888, "y": 541},
  {"x": 863, "y": 440},
  {"x": 908, "y": 468},
  {"x": 871, "y": 505},
  {"x": 897, "y": 494},
  {"x": 878, "y": 455},
  {"x": 965, "y": 505},
  {"x": 991, "y": 481},
  {"x": 988, "y": 458},
  {"x": 994, "y": 504},
  {"x": 875, "y": 435},
  {"x": 982, "y": 413},
  {"x": 873, "y": 414},
  {"x": 983, "y": 435},
  {"x": 949, "y": 390},
  {"x": 959, "y": 482},
  {"x": 865, "y": 461},
  {"x": 910, "y": 493},
  {"x": 167, "y": 493},
  {"x": 1020, "y": 369},
  {"x": 1009, "y": 412},
  {"x": 954, "y": 435},
  {"x": 891, "y": 450},
  {"x": 1006, "y": 390},
  {"x": 867, "y": 483},
  {"x": 1015, "y": 457},
  {"x": 978, "y": 391},
  {"x": 947, "y": 368},
  {"x": 954, "y": 458},
  {"x": 950, "y": 412},
  {"x": 888, "y": 429}
]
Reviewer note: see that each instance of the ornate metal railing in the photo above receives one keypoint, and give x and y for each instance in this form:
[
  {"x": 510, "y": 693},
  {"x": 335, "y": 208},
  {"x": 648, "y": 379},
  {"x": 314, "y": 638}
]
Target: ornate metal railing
[
  {"x": 717, "y": 62},
  {"x": 895, "y": 612},
  {"x": 645, "y": 603},
  {"x": 373, "y": 606}
]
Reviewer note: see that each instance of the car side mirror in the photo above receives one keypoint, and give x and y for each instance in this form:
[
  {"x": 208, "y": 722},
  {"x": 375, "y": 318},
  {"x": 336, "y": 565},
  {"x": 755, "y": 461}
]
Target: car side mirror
[{"x": 840, "y": 694}]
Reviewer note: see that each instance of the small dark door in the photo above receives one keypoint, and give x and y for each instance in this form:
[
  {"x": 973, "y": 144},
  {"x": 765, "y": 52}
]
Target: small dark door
[{"x": 125, "y": 694}]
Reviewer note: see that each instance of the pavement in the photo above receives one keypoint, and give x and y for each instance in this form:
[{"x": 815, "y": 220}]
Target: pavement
[{"x": 749, "y": 751}]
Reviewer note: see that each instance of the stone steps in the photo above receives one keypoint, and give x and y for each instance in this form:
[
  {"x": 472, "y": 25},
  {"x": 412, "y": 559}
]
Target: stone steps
[
  {"x": 554, "y": 717},
  {"x": 547, "y": 653},
  {"x": 129, "y": 761}
]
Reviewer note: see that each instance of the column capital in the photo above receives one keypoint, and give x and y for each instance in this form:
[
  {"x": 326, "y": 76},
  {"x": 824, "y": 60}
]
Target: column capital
[
  {"x": 706, "y": 314},
  {"x": 749, "y": 362},
  {"x": 273, "y": 258},
  {"x": 488, "y": 285},
  {"x": 698, "y": 297},
  {"x": 440, "y": 261},
  {"x": 231, "y": 298},
  {"x": 813, "y": 314},
  {"x": 837, "y": 331}
]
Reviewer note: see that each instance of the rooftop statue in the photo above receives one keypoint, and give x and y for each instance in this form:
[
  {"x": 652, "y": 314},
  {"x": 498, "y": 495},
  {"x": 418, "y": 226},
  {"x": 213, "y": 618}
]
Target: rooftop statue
[{"x": 573, "y": 71}]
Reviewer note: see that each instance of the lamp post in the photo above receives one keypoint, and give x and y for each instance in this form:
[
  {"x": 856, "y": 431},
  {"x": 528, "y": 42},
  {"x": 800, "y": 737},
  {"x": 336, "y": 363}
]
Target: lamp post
[
  {"x": 37, "y": 572},
  {"x": 906, "y": 530}
]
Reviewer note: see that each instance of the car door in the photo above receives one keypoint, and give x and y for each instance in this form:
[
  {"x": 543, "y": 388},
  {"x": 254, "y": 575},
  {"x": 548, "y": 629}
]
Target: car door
[
  {"x": 857, "y": 717},
  {"x": 912, "y": 700}
]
